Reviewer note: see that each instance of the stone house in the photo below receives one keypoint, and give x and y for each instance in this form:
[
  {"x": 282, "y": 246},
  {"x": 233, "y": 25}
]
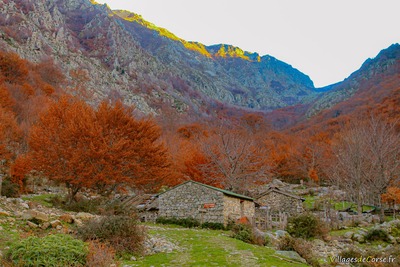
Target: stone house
[
  {"x": 145, "y": 205},
  {"x": 276, "y": 200},
  {"x": 204, "y": 203}
]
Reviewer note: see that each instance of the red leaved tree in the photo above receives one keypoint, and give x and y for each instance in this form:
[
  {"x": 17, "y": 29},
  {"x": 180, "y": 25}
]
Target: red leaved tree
[
  {"x": 101, "y": 149},
  {"x": 10, "y": 140}
]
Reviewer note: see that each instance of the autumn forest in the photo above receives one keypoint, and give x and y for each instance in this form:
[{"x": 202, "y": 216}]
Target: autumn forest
[{"x": 50, "y": 128}]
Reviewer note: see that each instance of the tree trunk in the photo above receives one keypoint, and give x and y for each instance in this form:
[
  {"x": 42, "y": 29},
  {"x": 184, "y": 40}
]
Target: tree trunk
[{"x": 1, "y": 182}]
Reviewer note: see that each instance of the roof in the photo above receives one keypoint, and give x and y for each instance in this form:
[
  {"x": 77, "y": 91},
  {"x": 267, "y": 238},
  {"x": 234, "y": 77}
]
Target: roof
[
  {"x": 141, "y": 202},
  {"x": 225, "y": 192},
  {"x": 279, "y": 191}
]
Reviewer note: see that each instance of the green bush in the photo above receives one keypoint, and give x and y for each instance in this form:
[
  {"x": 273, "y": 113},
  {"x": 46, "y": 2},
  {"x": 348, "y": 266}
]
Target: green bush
[
  {"x": 395, "y": 230},
  {"x": 52, "y": 250},
  {"x": 83, "y": 205},
  {"x": 242, "y": 232},
  {"x": 377, "y": 234},
  {"x": 286, "y": 243},
  {"x": 213, "y": 226},
  {"x": 9, "y": 189},
  {"x": 120, "y": 231},
  {"x": 185, "y": 222},
  {"x": 248, "y": 234},
  {"x": 306, "y": 226}
]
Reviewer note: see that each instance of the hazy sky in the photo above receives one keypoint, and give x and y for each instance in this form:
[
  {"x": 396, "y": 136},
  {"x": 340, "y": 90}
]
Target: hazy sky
[{"x": 325, "y": 39}]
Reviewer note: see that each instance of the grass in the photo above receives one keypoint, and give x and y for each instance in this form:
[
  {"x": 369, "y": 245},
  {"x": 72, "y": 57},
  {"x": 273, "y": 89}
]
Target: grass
[
  {"x": 201, "y": 247},
  {"x": 310, "y": 201},
  {"x": 44, "y": 200}
]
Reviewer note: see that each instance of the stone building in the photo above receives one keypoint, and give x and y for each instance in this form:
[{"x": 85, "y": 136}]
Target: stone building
[
  {"x": 204, "y": 203},
  {"x": 276, "y": 200},
  {"x": 145, "y": 205}
]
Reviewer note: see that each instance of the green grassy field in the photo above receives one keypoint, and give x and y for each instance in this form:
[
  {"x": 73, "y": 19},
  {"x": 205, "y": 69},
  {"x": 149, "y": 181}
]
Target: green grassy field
[{"x": 201, "y": 247}]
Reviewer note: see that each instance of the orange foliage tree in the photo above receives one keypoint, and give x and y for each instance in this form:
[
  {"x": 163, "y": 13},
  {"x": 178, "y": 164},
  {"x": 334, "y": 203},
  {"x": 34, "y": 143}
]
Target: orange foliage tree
[
  {"x": 10, "y": 138},
  {"x": 392, "y": 197},
  {"x": 102, "y": 149}
]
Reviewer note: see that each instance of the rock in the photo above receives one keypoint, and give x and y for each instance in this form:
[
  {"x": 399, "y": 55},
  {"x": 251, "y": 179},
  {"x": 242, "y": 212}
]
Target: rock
[
  {"x": 32, "y": 225},
  {"x": 348, "y": 235},
  {"x": 55, "y": 223},
  {"x": 391, "y": 239},
  {"x": 84, "y": 216},
  {"x": 78, "y": 222},
  {"x": 68, "y": 218},
  {"x": 292, "y": 255},
  {"x": 359, "y": 238},
  {"x": 34, "y": 214},
  {"x": 133, "y": 258},
  {"x": 24, "y": 205},
  {"x": 45, "y": 225},
  {"x": 281, "y": 233},
  {"x": 4, "y": 213}
]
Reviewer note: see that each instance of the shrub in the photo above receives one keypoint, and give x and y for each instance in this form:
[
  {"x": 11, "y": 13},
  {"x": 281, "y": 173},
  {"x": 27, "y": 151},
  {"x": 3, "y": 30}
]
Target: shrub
[
  {"x": 377, "y": 234},
  {"x": 52, "y": 250},
  {"x": 185, "y": 222},
  {"x": 286, "y": 243},
  {"x": 213, "y": 226},
  {"x": 100, "y": 255},
  {"x": 9, "y": 189},
  {"x": 242, "y": 232},
  {"x": 306, "y": 226},
  {"x": 83, "y": 205},
  {"x": 121, "y": 232},
  {"x": 301, "y": 246},
  {"x": 248, "y": 234},
  {"x": 99, "y": 205},
  {"x": 395, "y": 229}
]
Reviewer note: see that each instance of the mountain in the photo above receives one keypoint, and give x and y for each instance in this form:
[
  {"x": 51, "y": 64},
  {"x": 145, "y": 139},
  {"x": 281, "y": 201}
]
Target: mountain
[
  {"x": 375, "y": 88},
  {"x": 118, "y": 54}
]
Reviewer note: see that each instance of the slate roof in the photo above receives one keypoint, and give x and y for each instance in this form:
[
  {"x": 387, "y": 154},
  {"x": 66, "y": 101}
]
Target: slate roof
[
  {"x": 225, "y": 192},
  {"x": 279, "y": 191}
]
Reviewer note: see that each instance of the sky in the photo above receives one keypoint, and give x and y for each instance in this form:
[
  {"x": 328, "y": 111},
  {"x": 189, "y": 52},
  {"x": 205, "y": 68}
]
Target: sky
[{"x": 325, "y": 39}]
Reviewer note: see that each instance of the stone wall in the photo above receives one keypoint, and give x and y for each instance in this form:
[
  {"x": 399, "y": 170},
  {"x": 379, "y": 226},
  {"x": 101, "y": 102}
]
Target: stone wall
[
  {"x": 192, "y": 200},
  {"x": 280, "y": 202},
  {"x": 235, "y": 208}
]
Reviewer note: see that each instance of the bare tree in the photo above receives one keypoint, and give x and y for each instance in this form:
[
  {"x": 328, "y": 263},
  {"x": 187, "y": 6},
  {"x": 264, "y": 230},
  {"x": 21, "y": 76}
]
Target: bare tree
[
  {"x": 237, "y": 160},
  {"x": 367, "y": 160}
]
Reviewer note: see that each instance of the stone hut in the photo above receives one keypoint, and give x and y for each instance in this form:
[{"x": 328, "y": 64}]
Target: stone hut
[
  {"x": 145, "y": 205},
  {"x": 276, "y": 200},
  {"x": 204, "y": 203}
]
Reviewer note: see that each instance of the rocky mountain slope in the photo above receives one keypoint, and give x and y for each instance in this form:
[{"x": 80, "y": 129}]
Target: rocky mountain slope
[
  {"x": 120, "y": 55},
  {"x": 385, "y": 66},
  {"x": 374, "y": 87}
]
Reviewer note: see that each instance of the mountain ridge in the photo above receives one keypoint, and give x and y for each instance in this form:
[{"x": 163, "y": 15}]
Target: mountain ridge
[
  {"x": 120, "y": 55},
  {"x": 147, "y": 69}
]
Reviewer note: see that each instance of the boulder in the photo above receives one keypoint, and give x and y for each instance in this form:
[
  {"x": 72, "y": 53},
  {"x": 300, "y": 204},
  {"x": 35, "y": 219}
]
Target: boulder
[
  {"x": 34, "y": 214},
  {"x": 358, "y": 238},
  {"x": 24, "y": 205},
  {"x": 78, "y": 222},
  {"x": 68, "y": 218},
  {"x": 4, "y": 213},
  {"x": 281, "y": 233},
  {"x": 32, "y": 225},
  {"x": 292, "y": 255},
  {"x": 55, "y": 223},
  {"x": 348, "y": 235},
  {"x": 84, "y": 216},
  {"x": 45, "y": 225}
]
